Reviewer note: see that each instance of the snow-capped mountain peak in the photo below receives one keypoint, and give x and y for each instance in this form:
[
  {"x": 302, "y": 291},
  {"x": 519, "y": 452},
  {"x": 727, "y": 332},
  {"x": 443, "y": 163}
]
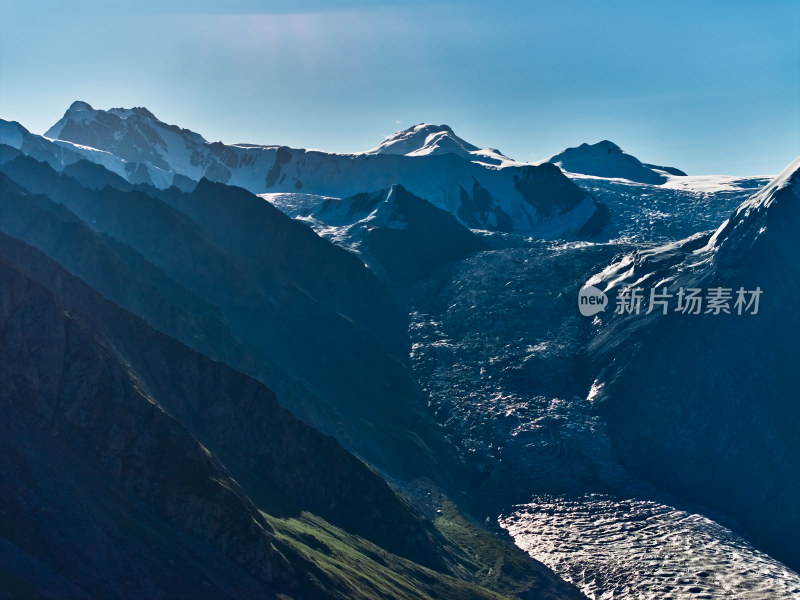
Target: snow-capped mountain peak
[
  {"x": 136, "y": 136},
  {"x": 79, "y": 111},
  {"x": 79, "y": 106},
  {"x": 426, "y": 139},
  {"x": 773, "y": 212},
  {"x": 83, "y": 112},
  {"x": 607, "y": 159}
]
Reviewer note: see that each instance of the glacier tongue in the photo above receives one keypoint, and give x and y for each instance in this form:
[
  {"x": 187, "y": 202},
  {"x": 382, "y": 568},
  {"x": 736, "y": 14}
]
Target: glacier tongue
[{"x": 614, "y": 548}]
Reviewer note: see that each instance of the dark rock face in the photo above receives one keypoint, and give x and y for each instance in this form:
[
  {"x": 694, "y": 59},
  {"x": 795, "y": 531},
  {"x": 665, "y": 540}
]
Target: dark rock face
[
  {"x": 282, "y": 156},
  {"x": 707, "y": 405},
  {"x": 430, "y": 239},
  {"x": 545, "y": 187},
  {"x": 407, "y": 236},
  {"x": 477, "y": 208}
]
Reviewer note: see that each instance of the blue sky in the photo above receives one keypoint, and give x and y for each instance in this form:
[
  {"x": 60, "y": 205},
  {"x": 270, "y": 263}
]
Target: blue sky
[{"x": 709, "y": 87}]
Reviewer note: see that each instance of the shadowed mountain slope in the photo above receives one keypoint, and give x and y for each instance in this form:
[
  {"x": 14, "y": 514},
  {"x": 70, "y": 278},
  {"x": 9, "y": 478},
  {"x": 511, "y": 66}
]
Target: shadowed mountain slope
[
  {"x": 135, "y": 466},
  {"x": 299, "y": 313}
]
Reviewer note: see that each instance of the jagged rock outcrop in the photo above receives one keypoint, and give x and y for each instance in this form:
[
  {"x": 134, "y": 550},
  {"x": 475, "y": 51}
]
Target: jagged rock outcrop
[
  {"x": 134, "y": 466},
  {"x": 397, "y": 233}
]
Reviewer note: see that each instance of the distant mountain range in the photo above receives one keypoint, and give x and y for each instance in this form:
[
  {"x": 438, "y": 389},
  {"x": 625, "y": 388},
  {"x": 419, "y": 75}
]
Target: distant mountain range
[{"x": 480, "y": 188}]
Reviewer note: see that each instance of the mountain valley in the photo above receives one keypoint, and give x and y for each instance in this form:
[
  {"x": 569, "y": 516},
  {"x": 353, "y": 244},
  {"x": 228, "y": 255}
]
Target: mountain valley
[{"x": 259, "y": 371}]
